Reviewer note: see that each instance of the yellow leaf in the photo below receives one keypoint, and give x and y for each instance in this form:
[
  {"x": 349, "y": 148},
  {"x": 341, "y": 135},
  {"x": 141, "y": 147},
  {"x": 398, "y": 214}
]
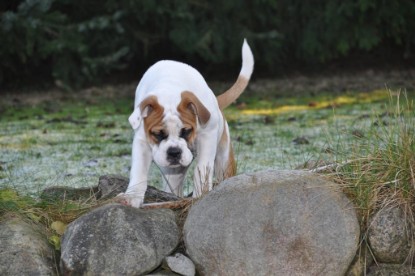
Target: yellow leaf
[
  {"x": 55, "y": 241},
  {"x": 59, "y": 227}
]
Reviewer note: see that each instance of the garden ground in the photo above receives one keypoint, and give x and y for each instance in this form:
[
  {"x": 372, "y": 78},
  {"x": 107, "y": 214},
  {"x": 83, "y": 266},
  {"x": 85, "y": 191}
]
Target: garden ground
[{"x": 64, "y": 138}]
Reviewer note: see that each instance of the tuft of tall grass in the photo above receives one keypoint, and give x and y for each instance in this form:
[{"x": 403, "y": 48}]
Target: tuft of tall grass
[
  {"x": 48, "y": 212},
  {"x": 377, "y": 169}
]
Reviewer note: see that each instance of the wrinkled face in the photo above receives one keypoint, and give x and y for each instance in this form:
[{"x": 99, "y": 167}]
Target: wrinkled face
[{"x": 172, "y": 134}]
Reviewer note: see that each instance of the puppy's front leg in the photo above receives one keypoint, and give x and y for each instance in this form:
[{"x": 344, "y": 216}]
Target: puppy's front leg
[
  {"x": 203, "y": 175},
  {"x": 202, "y": 179},
  {"x": 140, "y": 165}
]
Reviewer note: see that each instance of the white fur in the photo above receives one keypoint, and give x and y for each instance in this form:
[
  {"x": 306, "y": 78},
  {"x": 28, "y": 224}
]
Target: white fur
[
  {"x": 160, "y": 151},
  {"x": 167, "y": 80},
  {"x": 247, "y": 61}
]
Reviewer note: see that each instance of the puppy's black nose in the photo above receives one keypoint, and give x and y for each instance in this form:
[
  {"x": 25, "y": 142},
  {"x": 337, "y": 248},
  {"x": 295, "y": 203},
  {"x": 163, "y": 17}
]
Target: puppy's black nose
[{"x": 174, "y": 154}]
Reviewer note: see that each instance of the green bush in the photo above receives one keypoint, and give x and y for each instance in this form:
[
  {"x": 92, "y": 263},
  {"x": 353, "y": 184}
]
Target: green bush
[
  {"x": 78, "y": 42},
  {"x": 38, "y": 37}
]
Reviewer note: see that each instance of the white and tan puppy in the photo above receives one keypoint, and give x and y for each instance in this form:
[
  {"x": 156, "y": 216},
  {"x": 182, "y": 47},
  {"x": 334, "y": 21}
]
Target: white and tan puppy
[{"x": 176, "y": 119}]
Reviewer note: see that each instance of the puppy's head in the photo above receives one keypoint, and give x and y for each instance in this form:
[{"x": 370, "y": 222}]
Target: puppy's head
[{"x": 171, "y": 133}]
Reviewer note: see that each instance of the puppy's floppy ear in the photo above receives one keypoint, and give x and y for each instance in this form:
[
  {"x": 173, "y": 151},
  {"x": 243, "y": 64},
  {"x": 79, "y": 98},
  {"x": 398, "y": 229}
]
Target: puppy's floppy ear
[
  {"x": 142, "y": 111},
  {"x": 192, "y": 103},
  {"x": 135, "y": 118}
]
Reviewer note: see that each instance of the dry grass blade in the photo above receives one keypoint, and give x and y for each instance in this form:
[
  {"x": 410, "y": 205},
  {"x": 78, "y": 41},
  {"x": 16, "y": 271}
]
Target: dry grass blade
[
  {"x": 180, "y": 204},
  {"x": 381, "y": 172}
]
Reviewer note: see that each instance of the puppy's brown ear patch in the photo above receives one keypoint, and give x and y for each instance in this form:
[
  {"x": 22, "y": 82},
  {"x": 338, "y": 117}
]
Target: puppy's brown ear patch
[
  {"x": 148, "y": 105},
  {"x": 190, "y": 103},
  {"x": 152, "y": 114}
]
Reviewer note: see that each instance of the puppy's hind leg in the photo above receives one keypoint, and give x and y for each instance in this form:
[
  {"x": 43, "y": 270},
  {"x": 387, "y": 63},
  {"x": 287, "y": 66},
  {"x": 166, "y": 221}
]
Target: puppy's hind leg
[{"x": 225, "y": 164}]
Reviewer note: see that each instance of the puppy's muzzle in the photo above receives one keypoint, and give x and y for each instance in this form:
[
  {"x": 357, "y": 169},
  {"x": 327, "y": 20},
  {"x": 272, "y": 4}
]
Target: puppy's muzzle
[{"x": 174, "y": 154}]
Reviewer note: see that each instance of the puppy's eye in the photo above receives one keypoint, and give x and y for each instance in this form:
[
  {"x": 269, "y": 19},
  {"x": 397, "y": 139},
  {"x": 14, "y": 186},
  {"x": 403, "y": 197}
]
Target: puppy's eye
[
  {"x": 185, "y": 133},
  {"x": 159, "y": 135}
]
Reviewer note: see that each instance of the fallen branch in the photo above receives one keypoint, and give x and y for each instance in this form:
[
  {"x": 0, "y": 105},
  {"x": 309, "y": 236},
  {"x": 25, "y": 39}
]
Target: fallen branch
[
  {"x": 329, "y": 167},
  {"x": 168, "y": 204},
  {"x": 332, "y": 167}
]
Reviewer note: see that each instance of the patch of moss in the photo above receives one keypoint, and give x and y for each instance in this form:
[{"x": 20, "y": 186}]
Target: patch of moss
[{"x": 10, "y": 200}]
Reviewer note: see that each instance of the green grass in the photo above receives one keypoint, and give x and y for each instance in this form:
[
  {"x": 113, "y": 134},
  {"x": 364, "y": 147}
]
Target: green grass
[
  {"x": 72, "y": 143},
  {"x": 379, "y": 167}
]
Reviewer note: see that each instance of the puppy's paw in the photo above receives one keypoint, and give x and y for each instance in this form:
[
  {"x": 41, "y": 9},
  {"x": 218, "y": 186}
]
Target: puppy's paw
[{"x": 130, "y": 200}]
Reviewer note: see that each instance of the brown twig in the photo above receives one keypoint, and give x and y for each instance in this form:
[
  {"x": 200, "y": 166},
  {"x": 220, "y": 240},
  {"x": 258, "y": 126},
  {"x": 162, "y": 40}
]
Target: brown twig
[{"x": 168, "y": 204}]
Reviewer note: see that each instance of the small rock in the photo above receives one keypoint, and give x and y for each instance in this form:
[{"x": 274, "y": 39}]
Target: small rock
[
  {"x": 180, "y": 264},
  {"x": 358, "y": 133},
  {"x": 381, "y": 123},
  {"x": 91, "y": 163},
  {"x": 268, "y": 120},
  {"x": 301, "y": 140},
  {"x": 250, "y": 142},
  {"x": 388, "y": 236},
  {"x": 390, "y": 270},
  {"x": 68, "y": 193},
  {"x": 328, "y": 150},
  {"x": 111, "y": 185},
  {"x": 386, "y": 114},
  {"x": 24, "y": 249},
  {"x": 162, "y": 273},
  {"x": 106, "y": 124},
  {"x": 364, "y": 116}
]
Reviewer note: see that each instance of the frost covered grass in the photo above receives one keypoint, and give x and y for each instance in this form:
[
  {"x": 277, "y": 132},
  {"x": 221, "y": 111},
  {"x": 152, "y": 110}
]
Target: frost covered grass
[
  {"x": 59, "y": 149},
  {"x": 72, "y": 140},
  {"x": 377, "y": 170}
]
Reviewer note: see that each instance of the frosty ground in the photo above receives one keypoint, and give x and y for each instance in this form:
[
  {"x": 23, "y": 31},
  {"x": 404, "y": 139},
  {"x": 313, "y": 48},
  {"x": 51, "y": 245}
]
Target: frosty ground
[{"x": 70, "y": 138}]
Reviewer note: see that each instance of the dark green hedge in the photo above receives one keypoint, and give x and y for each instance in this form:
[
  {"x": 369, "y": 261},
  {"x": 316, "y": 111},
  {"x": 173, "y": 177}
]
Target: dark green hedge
[{"x": 77, "y": 41}]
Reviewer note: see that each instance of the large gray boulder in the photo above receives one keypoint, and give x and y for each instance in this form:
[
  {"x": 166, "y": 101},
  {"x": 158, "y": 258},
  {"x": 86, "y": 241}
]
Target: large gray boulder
[
  {"x": 118, "y": 240},
  {"x": 389, "y": 236},
  {"x": 24, "y": 249},
  {"x": 273, "y": 223}
]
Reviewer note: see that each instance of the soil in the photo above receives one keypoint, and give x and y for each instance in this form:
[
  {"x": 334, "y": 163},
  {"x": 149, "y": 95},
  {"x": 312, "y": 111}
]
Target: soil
[{"x": 280, "y": 86}]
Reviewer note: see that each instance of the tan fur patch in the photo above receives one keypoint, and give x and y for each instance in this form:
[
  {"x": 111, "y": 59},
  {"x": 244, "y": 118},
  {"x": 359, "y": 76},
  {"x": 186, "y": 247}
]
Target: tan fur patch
[
  {"x": 188, "y": 118},
  {"x": 191, "y": 103},
  {"x": 153, "y": 117},
  {"x": 232, "y": 93},
  {"x": 224, "y": 138},
  {"x": 231, "y": 167},
  {"x": 191, "y": 109}
]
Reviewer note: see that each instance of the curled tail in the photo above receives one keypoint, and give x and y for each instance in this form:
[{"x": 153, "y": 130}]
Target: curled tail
[{"x": 229, "y": 96}]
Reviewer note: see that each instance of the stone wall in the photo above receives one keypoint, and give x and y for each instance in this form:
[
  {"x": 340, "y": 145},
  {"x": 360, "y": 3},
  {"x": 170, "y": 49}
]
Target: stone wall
[{"x": 266, "y": 223}]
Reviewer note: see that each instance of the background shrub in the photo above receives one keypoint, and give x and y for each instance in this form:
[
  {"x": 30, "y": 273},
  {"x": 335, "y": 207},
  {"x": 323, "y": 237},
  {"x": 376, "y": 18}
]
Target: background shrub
[{"x": 80, "y": 42}]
